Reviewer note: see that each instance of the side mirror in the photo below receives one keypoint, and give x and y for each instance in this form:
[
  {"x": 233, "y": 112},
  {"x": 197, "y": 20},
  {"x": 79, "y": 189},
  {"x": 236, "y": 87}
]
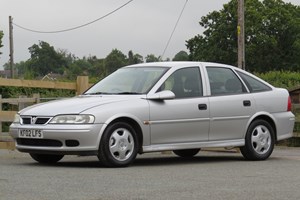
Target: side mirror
[{"x": 163, "y": 95}]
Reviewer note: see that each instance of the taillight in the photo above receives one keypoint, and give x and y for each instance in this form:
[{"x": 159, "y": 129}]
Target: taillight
[{"x": 289, "y": 106}]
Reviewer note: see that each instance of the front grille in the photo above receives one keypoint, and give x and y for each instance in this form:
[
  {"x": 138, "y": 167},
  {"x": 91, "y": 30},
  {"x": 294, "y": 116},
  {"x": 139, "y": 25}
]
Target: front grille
[
  {"x": 39, "y": 142},
  {"x": 35, "y": 120},
  {"x": 26, "y": 120}
]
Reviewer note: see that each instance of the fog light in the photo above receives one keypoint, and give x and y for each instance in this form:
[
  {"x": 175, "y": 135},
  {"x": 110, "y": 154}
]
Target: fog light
[{"x": 72, "y": 143}]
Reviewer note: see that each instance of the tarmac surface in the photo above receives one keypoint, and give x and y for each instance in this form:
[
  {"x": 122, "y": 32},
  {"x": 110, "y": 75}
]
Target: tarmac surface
[{"x": 215, "y": 174}]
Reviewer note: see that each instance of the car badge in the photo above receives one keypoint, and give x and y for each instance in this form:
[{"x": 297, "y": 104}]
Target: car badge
[{"x": 33, "y": 120}]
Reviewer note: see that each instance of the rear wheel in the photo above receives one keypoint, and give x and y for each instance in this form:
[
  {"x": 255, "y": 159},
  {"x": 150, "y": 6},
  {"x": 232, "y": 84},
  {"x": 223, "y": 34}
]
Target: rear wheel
[
  {"x": 186, "y": 153},
  {"x": 119, "y": 145},
  {"x": 46, "y": 158},
  {"x": 259, "y": 141}
]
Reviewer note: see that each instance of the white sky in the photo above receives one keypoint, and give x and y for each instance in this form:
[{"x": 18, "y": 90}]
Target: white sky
[{"x": 143, "y": 26}]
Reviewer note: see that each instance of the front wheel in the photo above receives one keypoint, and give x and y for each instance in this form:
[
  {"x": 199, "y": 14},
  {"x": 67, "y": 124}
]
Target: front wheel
[
  {"x": 119, "y": 145},
  {"x": 46, "y": 158},
  {"x": 259, "y": 141}
]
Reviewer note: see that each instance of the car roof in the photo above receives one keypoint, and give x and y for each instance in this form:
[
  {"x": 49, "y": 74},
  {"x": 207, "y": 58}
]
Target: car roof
[{"x": 178, "y": 64}]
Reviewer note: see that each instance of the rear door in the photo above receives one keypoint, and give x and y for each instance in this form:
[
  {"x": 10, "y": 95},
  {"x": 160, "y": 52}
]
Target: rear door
[{"x": 231, "y": 105}]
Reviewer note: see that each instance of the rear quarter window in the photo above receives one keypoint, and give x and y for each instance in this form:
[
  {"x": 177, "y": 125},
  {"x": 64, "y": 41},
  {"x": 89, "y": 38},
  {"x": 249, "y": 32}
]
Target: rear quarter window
[{"x": 254, "y": 85}]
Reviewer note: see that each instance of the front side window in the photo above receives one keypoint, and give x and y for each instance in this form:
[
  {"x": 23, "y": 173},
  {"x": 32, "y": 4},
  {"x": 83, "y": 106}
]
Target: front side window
[
  {"x": 185, "y": 83},
  {"x": 223, "y": 81}
]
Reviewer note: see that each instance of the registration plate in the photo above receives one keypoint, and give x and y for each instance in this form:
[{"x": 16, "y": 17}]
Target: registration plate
[{"x": 30, "y": 133}]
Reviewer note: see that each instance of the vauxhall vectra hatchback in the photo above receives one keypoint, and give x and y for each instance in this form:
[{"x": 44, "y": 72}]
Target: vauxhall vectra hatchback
[{"x": 150, "y": 107}]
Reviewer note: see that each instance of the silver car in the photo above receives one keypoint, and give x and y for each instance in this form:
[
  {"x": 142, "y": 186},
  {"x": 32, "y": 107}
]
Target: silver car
[{"x": 175, "y": 106}]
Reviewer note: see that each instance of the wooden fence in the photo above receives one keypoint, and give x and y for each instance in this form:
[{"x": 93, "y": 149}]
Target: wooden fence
[{"x": 81, "y": 84}]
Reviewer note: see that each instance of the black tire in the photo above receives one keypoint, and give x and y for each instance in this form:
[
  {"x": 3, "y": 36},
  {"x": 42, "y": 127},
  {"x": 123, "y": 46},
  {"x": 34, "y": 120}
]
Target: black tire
[
  {"x": 186, "y": 153},
  {"x": 46, "y": 158},
  {"x": 119, "y": 145},
  {"x": 259, "y": 141}
]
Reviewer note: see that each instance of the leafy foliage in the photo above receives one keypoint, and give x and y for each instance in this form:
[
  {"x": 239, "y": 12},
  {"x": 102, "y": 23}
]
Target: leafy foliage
[
  {"x": 283, "y": 79},
  {"x": 44, "y": 59},
  {"x": 152, "y": 58},
  {"x": 134, "y": 58},
  {"x": 181, "y": 56},
  {"x": 15, "y": 92},
  {"x": 1, "y": 36},
  {"x": 114, "y": 61},
  {"x": 272, "y": 36}
]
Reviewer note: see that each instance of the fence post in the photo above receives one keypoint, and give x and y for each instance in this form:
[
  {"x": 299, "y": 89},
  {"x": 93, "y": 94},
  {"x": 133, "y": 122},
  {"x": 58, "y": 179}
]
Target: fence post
[
  {"x": 82, "y": 84},
  {"x": 0, "y": 110},
  {"x": 22, "y": 104},
  {"x": 37, "y": 97}
]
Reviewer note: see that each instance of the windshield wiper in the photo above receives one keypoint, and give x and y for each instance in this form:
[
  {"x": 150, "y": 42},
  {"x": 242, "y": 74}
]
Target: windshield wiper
[
  {"x": 128, "y": 93},
  {"x": 117, "y": 93},
  {"x": 96, "y": 93}
]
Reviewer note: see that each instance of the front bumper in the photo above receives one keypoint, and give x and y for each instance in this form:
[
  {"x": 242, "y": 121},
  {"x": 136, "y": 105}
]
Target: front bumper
[{"x": 59, "y": 139}]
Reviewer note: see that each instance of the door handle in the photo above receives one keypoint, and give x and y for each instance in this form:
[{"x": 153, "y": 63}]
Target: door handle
[
  {"x": 202, "y": 106},
  {"x": 247, "y": 103}
]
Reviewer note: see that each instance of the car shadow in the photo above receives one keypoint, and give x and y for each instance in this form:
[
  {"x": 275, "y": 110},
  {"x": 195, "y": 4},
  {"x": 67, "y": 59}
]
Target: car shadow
[
  {"x": 146, "y": 161},
  {"x": 174, "y": 160}
]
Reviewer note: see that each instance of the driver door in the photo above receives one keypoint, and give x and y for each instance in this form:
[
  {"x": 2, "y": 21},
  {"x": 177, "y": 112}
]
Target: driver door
[{"x": 183, "y": 119}]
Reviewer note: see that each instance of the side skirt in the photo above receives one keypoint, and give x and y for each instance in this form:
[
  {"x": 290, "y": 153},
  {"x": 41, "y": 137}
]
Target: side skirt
[{"x": 193, "y": 145}]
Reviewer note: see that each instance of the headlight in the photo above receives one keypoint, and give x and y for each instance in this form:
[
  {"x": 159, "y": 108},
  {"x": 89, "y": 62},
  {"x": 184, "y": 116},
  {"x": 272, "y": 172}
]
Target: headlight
[
  {"x": 73, "y": 119},
  {"x": 17, "y": 119}
]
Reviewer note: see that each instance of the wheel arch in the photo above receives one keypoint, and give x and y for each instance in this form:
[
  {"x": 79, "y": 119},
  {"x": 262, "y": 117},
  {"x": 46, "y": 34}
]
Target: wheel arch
[
  {"x": 268, "y": 119},
  {"x": 135, "y": 125}
]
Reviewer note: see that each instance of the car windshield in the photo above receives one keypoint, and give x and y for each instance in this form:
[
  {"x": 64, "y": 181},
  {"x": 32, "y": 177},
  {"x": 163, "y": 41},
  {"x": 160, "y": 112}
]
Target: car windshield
[{"x": 131, "y": 80}]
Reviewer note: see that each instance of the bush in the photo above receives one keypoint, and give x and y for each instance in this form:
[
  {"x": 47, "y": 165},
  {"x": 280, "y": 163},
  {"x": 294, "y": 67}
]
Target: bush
[{"x": 283, "y": 79}]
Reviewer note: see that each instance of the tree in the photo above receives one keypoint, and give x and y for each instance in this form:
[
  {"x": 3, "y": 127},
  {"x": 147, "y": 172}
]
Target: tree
[
  {"x": 78, "y": 68},
  {"x": 114, "y": 61},
  {"x": 68, "y": 57},
  {"x": 181, "y": 56},
  {"x": 271, "y": 30},
  {"x": 134, "y": 58},
  {"x": 97, "y": 70},
  {"x": 152, "y": 58},
  {"x": 1, "y": 36},
  {"x": 44, "y": 59}
]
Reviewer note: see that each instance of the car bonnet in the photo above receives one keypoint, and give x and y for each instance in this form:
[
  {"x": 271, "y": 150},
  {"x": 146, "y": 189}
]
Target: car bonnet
[{"x": 74, "y": 105}]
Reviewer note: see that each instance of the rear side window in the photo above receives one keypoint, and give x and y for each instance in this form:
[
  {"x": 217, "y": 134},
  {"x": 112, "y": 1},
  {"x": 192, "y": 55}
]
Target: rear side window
[
  {"x": 253, "y": 84},
  {"x": 223, "y": 81}
]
